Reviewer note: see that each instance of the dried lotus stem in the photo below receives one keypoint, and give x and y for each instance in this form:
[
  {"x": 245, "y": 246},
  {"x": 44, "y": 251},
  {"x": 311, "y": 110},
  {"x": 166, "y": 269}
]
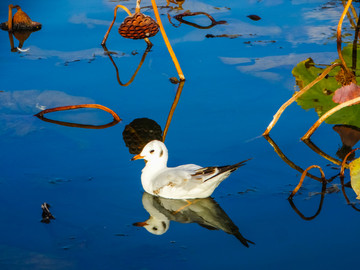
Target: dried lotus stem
[
  {"x": 168, "y": 45},
  {"x": 112, "y": 23},
  {"x": 303, "y": 177},
  {"x": 297, "y": 95},
  {"x": 338, "y": 35},
  {"x": 343, "y": 164},
  {"x": 74, "y": 107},
  {"x": 327, "y": 114}
]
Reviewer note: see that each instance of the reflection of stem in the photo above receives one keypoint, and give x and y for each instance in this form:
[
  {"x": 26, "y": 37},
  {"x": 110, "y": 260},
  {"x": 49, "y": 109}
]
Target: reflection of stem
[
  {"x": 343, "y": 164},
  {"x": 288, "y": 161},
  {"x": 323, "y": 191},
  {"x": 344, "y": 193},
  {"x": 318, "y": 151},
  {"x": 179, "y": 17},
  {"x": 68, "y": 124},
  {"x": 329, "y": 113},
  {"x": 338, "y": 35},
  {"x": 117, "y": 70},
  {"x": 303, "y": 177},
  {"x": 173, "y": 107},
  {"x": 168, "y": 45},
  {"x": 296, "y": 95},
  {"x": 112, "y": 23},
  {"x": 74, "y": 107},
  {"x": 11, "y": 38}
]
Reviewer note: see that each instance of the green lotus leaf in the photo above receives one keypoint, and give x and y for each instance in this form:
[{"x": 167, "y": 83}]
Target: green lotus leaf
[{"x": 319, "y": 97}]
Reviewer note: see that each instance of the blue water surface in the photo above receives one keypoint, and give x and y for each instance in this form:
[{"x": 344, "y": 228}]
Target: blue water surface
[{"x": 237, "y": 75}]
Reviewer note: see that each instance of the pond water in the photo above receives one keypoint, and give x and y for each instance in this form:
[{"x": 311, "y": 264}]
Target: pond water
[{"x": 237, "y": 76}]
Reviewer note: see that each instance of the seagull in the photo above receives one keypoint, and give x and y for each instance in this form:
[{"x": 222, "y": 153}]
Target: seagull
[{"x": 183, "y": 182}]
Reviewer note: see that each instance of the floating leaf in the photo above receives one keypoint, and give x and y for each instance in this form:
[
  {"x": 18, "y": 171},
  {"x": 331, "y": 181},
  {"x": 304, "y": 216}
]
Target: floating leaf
[
  {"x": 254, "y": 17},
  {"x": 347, "y": 92},
  {"x": 355, "y": 176},
  {"x": 319, "y": 97}
]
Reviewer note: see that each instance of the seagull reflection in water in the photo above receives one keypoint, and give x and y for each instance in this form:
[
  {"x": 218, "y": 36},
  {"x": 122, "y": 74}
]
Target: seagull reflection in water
[{"x": 205, "y": 212}]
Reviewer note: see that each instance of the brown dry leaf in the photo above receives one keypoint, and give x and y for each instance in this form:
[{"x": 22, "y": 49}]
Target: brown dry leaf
[{"x": 346, "y": 93}]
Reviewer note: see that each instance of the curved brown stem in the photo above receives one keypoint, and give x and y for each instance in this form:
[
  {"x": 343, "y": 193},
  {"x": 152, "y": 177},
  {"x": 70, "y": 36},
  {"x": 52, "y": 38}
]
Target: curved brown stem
[
  {"x": 113, "y": 21},
  {"x": 74, "y": 107},
  {"x": 338, "y": 35},
  {"x": 327, "y": 114},
  {"x": 173, "y": 107},
  {"x": 297, "y": 95},
  {"x": 117, "y": 70},
  {"x": 323, "y": 191},
  {"x": 179, "y": 17},
  {"x": 343, "y": 164},
  {"x": 167, "y": 42},
  {"x": 303, "y": 177}
]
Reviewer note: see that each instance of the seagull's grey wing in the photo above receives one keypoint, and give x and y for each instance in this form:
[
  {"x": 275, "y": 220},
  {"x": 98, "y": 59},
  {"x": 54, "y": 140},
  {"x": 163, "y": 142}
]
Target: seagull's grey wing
[{"x": 209, "y": 173}]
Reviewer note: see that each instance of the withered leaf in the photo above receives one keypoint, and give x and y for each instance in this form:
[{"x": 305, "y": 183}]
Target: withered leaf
[
  {"x": 254, "y": 17},
  {"x": 346, "y": 93}
]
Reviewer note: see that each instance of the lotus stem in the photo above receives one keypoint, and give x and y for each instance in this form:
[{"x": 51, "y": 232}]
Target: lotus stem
[
  {"x": 343, "y": 164},
  {"x": 327, "y": 114},
  {"x": 168, "y": 45},
  {"x": 74, "y": 107},
  {"x": 173, "y": 107},
  {"x": 113, "y": 21},
  {"x": 10, "y": 18},
  {"x": 297, "y": 95},
  {"x": 338, "y": 35},
  {"x": 137, "y": 8},
  {"x": 303, "y": 177}
]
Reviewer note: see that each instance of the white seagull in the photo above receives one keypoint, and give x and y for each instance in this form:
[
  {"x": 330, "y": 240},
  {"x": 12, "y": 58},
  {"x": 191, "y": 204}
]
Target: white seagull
[{"x": 183, "y": 182}]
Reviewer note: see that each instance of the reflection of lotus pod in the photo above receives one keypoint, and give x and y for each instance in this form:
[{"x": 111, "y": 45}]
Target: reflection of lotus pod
[
  {"x": 139, "y": 132},
  {"x": 138, "y": 26},
  {"x": 21, "y": 36},
  {"x": 21, "y": 21}
]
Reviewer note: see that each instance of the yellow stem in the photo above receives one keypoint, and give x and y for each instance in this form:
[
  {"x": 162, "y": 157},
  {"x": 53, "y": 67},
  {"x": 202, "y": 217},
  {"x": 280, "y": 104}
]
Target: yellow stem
[
  {"x": 338, "y": 35},
  {"x": 10, "y": 18},
  {"x": 298, "y": 94},
  {"x": 168, "y": 45},
  {"x": 112, "y": 23},
  {"x": 327, "y": 114},
  {"x": 303, "y": 177}
]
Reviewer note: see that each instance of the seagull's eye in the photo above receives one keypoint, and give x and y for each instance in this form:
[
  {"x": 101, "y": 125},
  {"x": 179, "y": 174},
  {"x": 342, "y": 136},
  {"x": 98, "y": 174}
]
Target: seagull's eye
[
  {"x": 152, "y": 151},
  {"x": 155, "y": 228}
]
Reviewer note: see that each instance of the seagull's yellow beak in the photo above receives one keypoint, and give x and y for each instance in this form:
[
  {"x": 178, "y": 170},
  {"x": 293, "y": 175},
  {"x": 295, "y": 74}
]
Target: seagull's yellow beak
[{"x": 137, "y": 157}]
